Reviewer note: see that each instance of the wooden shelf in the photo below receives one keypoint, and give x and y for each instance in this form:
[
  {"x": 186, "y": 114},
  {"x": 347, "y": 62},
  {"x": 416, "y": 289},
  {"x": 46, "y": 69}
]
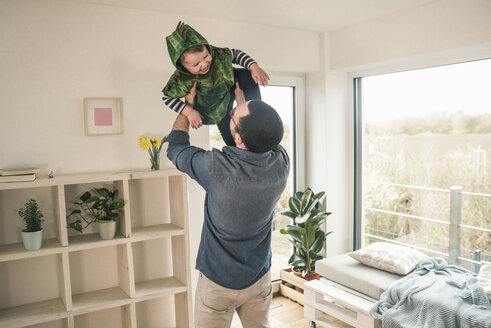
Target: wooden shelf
[
  {"x": 90, "y": 241},
  {"x": 41, "y": 182},
  {"x": 156, "y": 232},
  {"x": 128, "y": 292},
  {"x": 34, "y": 313},
  {"x": 99, "y": 300},
  {"x": 67, "y": 180},
  {"x": 10, "y": 252},
  {"x": 158, "y": 288},
  {"x": 155, "y": 174}
]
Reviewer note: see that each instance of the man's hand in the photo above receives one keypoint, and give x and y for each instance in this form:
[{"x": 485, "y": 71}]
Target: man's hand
[
  {"x": 193, "y": 116},
  {"x": 259, "y": 75},
  {"x": 239, "y": 94},
  {"x": 191, "y": 95}
]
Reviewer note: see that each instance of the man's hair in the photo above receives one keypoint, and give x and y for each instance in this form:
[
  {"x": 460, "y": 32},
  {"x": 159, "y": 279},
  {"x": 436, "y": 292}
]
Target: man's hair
[
  {"x": 262, "y": 129},
  {"x": 192, "y": 50}
]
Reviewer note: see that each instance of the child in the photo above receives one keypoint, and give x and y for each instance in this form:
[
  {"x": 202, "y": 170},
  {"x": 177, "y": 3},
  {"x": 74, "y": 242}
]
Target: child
[{"x": 210, "y": 68}]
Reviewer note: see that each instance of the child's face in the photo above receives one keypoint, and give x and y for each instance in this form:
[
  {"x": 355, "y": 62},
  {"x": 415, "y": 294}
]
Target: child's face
[{"x": 197, "y": 62}]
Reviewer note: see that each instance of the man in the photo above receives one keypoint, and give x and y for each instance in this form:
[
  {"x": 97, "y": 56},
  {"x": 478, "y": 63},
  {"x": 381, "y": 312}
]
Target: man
[{"x": 243, "y": 185}]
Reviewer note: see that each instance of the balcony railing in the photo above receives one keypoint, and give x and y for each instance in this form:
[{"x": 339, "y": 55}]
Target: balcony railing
[{"x": 454, "y": 223}]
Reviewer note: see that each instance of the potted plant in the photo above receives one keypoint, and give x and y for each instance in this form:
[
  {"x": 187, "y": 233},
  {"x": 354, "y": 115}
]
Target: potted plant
[
  {"x": 100, "y": 208},
  {"x": 306, "y": 233},
  {"x": 32, "y": 235}
]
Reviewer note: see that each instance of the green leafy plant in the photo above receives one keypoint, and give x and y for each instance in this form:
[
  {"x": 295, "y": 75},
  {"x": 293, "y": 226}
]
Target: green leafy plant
[
  {"x": 306, "y": 233},
  {"x": 100, "y": 207},
  {"x": 32, "y": 216}
]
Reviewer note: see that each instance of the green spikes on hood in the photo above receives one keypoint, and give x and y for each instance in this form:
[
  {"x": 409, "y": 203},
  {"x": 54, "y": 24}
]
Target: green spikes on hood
[{"x": 182, "y": 38}]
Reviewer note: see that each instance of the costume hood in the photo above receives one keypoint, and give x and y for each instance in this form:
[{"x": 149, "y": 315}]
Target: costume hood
[
  {"x": 213, "y": 88},
  {"x": 183, "y": 38}
]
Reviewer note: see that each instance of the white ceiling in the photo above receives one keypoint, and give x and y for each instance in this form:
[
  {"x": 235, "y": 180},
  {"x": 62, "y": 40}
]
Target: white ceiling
[{"x": 312, "y": 15}]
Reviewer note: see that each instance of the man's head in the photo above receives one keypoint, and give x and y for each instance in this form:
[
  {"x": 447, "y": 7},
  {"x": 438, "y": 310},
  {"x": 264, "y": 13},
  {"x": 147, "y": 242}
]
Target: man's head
[
  {"x": 196, "y": 60},
  {"x": 256, "y": 125}
]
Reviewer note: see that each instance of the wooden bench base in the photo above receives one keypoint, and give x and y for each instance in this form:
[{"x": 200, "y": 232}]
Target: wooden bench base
[{"x": 323, "y": 297}]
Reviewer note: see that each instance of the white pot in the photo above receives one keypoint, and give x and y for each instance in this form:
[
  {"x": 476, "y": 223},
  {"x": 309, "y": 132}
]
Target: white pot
[
  {"x": 107, "y": 230},
  {"x": 32, "y": 240}
]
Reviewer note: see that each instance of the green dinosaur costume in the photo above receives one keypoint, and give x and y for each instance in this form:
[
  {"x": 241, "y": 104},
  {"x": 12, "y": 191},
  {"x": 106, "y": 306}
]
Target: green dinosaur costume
[{"x": 213, "y": 88}]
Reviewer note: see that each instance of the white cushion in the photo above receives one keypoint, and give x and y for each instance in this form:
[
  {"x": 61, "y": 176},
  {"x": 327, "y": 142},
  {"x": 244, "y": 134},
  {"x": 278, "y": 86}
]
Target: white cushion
[
  {"x": 484, "y": 278},
  {"x": 389, "y": 257}
]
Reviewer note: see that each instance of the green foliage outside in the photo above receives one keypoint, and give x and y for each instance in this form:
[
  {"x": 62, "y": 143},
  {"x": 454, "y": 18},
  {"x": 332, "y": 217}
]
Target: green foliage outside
[{"x": 428, "y": 152}]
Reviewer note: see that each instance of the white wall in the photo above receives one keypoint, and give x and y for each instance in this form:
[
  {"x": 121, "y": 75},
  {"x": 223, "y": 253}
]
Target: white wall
[
  {"x": 437, "y": 30},
  {"x": 443, "y": 32},
  {"x": 55, "y": 53}
]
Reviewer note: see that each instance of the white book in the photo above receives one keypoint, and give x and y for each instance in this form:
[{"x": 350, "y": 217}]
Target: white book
[
  {"x": 18, "y": 171},
  {"x": 18, "y": 178}
]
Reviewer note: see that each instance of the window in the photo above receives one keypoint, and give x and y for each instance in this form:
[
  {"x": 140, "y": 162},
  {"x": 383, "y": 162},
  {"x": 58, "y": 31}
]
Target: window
[
  {"x": 283, "y": 94},
  {"x": 423, "y": 171}
]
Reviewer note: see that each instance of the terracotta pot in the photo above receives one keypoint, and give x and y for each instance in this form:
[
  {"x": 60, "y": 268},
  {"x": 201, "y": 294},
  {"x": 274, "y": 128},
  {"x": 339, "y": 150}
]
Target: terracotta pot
[{"x": 308, "y": 277}]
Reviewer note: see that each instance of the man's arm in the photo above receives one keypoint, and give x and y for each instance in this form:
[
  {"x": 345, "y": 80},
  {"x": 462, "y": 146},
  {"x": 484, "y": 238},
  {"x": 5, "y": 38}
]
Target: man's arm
[
  {"x": 181, "y": 123},
  {"x": 239, "y": 94},
  {"x": 194, "y": 161}
]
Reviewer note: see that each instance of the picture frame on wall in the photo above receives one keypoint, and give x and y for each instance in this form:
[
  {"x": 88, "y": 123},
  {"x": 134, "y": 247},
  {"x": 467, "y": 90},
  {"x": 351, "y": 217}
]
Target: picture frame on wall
[{"x": 103, "y": 116}]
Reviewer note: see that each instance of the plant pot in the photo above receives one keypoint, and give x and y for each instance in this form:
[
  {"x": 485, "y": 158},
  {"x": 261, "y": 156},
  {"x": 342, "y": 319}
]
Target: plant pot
[
  {"x": 308, "y": 277},
  {"x": 32, "y": 240},
  {"x": 107, "y": 229}
]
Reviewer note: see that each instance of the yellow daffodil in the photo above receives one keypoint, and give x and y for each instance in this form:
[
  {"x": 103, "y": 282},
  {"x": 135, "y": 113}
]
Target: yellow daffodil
[
  {"x": 145, "y": 144},
  {"x": 153, "y": 145}
]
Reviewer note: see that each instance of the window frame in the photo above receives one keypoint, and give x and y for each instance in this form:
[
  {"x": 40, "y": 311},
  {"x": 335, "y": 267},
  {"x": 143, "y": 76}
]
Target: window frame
[{"x": 297, "y": 163}]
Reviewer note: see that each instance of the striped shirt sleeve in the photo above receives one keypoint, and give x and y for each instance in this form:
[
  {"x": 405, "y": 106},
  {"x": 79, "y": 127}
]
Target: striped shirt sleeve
[
  {"x": 241, "y": 58},
  {"x": 176, "y": 105}
]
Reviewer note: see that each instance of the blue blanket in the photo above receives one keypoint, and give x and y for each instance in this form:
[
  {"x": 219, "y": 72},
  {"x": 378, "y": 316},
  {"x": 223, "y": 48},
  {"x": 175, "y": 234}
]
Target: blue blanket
[{"x": 434, "y": 295}]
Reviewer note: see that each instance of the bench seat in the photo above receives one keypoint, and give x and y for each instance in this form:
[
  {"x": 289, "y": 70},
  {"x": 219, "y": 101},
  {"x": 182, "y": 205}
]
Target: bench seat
[
  {"x": 346, "y": 271},
  {"x": 346, "y": 291}
]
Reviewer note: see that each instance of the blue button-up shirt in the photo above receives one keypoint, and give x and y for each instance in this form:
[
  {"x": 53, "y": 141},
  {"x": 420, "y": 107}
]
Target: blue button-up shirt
[{"x": 242, "y": 189}]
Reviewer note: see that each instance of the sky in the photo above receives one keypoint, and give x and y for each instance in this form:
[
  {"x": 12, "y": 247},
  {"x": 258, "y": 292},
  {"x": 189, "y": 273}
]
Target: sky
[
  {"x": 281, "y": 99},
  {"x": 462, "y": 87}
]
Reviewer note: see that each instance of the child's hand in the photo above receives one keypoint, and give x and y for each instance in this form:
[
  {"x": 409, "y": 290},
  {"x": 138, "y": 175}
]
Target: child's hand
[{"x": 259, "y": 75}]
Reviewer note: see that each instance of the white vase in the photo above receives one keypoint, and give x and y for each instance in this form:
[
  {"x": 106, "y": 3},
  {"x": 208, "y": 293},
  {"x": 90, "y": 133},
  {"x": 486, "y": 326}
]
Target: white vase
[
  {"x": 107, "y": 230},
  {"x": 32, "y": 240}
]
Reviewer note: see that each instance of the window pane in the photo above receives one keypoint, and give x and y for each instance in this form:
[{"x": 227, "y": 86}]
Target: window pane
[
  {"x": 425, "y": 131},
  {"x": 281, "y": 99}
]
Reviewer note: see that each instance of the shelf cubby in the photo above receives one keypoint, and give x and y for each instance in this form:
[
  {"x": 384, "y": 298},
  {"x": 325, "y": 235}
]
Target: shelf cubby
[
  {"x": 27, "y": 300},
  {"x": 89, "y": 278}
]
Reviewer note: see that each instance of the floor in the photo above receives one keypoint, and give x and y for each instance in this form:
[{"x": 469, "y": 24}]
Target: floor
[{"x": 288, "y": 315}]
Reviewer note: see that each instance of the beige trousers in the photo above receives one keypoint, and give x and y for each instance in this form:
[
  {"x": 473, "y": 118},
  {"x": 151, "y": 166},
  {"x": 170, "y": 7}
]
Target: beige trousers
[{"x": 215, "y": 305}]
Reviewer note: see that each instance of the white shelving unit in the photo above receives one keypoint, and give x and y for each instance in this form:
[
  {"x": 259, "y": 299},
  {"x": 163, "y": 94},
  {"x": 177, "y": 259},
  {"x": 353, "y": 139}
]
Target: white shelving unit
[{"x": 168, "y": 225}]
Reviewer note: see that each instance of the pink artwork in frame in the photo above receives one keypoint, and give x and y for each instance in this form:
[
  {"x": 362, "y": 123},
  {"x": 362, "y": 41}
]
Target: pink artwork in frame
[{"x": 103, "y": 116}]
